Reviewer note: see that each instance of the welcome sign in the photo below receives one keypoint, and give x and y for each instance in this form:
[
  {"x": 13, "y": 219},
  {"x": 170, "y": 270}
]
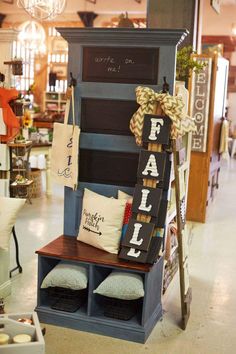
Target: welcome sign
[{"x": 200, "y": 103}]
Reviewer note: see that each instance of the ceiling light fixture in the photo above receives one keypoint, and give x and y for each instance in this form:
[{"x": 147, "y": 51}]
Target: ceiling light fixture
[
  {"x": 42, "y": 9},
  {"x": 32, "y": 36}
]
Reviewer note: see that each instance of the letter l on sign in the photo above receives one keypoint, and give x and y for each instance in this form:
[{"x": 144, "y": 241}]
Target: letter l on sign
[{"x": 134, "y": 239}]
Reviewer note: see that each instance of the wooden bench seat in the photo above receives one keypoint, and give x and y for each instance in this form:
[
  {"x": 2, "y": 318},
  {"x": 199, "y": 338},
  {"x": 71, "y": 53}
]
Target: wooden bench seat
[{"x": 67, "y": 247}]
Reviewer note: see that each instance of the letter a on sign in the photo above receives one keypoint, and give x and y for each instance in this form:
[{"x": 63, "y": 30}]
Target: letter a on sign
[
  {"x": 151, "y": 165},
  {"x": 156, "y": 129}
]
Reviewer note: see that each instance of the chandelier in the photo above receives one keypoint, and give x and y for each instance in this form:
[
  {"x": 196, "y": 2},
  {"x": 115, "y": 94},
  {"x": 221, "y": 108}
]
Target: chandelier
[
  {"x": 32, "y": 36},
  {"x": 42, "y": 9}
]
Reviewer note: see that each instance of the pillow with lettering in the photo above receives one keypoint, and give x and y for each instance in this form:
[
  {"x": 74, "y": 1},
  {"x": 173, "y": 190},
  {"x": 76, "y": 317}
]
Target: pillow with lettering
[{"x": 101, "y": 221}]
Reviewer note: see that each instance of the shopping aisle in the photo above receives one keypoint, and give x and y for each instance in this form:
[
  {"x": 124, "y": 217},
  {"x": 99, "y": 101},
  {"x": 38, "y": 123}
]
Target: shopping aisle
[{"x": 211, "y": 328}]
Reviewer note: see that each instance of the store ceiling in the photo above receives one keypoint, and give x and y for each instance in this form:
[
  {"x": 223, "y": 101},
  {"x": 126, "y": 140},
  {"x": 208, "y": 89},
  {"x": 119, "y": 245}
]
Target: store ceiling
[{"x": 101, "y": 6}]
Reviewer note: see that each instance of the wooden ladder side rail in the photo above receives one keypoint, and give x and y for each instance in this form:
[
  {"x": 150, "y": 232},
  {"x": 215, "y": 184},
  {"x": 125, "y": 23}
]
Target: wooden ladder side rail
[{"x": 186, "y": 297}]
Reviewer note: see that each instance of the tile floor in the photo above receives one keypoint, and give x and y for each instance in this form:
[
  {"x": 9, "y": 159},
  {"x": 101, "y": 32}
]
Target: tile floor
[{"x": 211, "y": 328}]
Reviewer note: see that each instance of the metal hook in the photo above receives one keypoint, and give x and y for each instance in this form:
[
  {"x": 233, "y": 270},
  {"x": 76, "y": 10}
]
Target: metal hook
[
  {"x": 166, "y": 86},
  {"x": 73, "y": 81}
]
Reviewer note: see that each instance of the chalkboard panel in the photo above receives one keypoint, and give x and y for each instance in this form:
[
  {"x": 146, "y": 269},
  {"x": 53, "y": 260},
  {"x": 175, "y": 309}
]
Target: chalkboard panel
[
  {"x": 120, "y": 65},
  {"x": 108, "y": 167},
  {"x": 103, "y": 116}
]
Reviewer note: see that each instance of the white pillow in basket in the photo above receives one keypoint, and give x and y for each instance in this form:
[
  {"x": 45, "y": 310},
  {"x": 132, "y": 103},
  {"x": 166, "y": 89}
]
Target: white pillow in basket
[
  {"x": 9, "y": 209},
  {"x": 101, "y": 221}
]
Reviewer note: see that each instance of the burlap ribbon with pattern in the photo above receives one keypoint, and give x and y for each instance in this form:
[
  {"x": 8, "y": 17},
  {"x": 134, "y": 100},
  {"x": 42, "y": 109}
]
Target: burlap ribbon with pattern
[{"x": 172, "y": 106}]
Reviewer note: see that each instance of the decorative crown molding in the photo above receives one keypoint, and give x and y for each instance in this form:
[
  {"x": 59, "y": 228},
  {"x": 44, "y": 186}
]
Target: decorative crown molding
[
  {"x": 137, "y": 36},
  {"x": 8, "y": 35}
]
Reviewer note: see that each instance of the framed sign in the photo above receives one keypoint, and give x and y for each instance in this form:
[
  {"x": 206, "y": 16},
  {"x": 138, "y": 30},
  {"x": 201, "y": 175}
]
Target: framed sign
[
  {"x": 200, "y": 102},
  {"x": 120, "y": 65}
]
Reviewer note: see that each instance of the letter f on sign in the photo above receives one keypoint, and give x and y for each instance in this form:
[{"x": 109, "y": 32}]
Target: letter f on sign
[{"x": 155, "y": 128}]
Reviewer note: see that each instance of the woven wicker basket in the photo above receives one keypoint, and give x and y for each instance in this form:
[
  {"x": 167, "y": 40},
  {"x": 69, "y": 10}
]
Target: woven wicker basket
[{"x": 35, "y": 190}]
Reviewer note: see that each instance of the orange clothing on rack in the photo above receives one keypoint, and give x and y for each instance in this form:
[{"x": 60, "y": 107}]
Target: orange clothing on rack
[{"x": 10, "y": 119}]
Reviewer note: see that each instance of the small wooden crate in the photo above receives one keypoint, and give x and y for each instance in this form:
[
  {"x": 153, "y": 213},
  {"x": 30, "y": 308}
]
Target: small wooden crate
[{"x": 10, "y": 325}]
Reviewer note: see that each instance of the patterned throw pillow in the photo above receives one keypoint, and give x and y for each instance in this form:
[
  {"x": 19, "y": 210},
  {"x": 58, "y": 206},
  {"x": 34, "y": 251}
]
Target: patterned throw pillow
[
  {"x": 128, "y": 211},
  {"x": 127, "y": 216},
  {"x": 101, "y": 221},
  {"x": 66, "y": 275},
  {"x": 121, "y": 285}
]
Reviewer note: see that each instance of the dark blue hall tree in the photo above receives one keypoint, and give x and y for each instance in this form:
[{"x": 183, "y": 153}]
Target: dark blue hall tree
[{"x": 108, "y": 65}]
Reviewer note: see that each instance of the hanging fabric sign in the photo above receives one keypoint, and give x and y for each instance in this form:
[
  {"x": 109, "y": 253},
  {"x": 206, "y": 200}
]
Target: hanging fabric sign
[{"x": 64, "y": 159}]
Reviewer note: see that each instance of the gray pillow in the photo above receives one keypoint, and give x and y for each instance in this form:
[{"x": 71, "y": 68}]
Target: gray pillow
[
  {"x": 66, "y": 275},
  {"x": 121, "y": 285}
]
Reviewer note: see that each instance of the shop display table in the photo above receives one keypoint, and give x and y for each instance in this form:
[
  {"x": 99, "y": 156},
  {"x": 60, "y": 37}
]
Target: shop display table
[{"x": 90, "y": 317}]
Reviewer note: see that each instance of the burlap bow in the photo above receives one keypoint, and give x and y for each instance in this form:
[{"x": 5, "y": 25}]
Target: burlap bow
[{"x": 172, "y": 106}]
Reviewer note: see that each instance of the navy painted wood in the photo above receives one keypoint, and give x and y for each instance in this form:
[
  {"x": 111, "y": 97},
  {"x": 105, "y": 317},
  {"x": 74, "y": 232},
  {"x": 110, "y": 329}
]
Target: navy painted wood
[
  {"x": 152, "y": 299},
  {"x": 108, "y": 142},
  {"x": 98, "y": 275},
  {"x": 98, "y": 325},
  {"x": 90, "y": 317},
  {"x": 164, "y": 41}
]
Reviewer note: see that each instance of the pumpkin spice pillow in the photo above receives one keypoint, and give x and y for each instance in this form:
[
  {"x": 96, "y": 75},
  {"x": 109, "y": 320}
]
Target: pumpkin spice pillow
[{"x": 101, "y": 221}]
